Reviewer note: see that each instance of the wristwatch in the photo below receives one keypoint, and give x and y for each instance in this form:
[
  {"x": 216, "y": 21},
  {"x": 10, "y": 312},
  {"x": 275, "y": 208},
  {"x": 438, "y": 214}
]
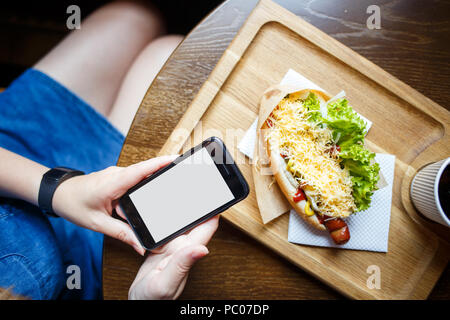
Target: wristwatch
[{"x": 49, "y": 183}]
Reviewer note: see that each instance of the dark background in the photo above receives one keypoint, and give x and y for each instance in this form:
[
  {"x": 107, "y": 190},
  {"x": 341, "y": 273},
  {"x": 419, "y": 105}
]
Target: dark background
[{"x": 28, "y": 30}]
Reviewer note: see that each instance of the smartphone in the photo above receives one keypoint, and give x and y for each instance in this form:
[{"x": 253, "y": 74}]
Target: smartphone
[{"x": 196, "y": 186}]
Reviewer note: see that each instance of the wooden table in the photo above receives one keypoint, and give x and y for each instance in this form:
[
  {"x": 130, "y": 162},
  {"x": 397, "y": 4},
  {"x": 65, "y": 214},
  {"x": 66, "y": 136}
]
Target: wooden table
[{"x": 412, "y": 44}]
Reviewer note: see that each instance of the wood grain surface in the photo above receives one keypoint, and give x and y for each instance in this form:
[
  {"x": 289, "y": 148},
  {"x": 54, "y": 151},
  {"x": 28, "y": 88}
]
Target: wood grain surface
[
  {"x": 411, "y": 45},
  {"x": 405, "y": 124}
]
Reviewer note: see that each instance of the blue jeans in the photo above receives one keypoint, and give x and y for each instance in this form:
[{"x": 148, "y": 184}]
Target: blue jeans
[
  {"x": 42, "y": 120},
  {"x": 30, "y": 262}
]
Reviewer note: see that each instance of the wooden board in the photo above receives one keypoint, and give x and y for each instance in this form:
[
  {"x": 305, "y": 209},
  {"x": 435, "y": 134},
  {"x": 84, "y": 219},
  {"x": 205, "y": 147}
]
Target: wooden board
[{"x": 406, "y": 124}]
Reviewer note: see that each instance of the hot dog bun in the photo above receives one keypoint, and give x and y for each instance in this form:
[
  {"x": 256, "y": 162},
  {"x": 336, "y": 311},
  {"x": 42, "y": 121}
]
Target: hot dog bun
[
  {"x": 278, "y": 166},
  {"x": 287, "y": 183}
]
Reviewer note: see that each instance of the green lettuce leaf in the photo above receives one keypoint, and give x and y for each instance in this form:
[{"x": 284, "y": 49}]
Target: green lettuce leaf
[
  {"x": 348, "y": 132},
  {"x": 312, "y": 104},
  {"x": 347, "y": 126},
  {"x": 364, "y": 172}
]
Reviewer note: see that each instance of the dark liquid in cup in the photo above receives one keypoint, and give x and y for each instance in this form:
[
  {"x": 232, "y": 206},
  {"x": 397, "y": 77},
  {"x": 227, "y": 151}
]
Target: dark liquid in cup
[{"x": 444, "y": 191}]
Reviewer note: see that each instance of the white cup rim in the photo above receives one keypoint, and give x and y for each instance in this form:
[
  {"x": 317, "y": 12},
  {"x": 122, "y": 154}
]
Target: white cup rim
[{"x": 436, "y": 191}]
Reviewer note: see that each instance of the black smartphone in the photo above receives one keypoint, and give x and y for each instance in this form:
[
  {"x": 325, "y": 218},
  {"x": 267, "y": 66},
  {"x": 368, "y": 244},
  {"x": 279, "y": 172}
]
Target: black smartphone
[{"x": 196, "y": 186}]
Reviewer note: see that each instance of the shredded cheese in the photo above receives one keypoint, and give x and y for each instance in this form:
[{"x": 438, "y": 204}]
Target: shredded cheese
[{"x": 306, "y": 149}]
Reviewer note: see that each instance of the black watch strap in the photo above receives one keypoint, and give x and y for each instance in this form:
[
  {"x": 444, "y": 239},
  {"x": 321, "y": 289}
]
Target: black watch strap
[{"x": 49, "y": 183}]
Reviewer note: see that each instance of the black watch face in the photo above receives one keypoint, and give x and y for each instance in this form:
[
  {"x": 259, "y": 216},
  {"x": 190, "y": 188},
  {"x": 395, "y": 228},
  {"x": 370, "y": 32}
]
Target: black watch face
[{"x": 57, "y": 173}]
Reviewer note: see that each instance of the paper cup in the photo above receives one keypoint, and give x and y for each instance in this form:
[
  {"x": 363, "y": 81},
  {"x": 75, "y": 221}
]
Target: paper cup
[{"x": 424, "y": 191}]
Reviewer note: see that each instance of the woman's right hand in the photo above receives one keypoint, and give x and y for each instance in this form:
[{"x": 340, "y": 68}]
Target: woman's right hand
[{"x": 89, "y": 200}]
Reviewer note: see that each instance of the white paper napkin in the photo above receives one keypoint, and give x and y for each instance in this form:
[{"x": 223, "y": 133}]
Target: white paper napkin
[{"x": 369, "y": 230}]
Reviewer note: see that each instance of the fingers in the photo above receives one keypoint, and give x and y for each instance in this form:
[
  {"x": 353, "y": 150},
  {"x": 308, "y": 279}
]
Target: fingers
[
  {"x": 119, "y": 212},
  {"x": 203, "y": 233},
  {"x": 172, "y": 246},
  {"x": 137, "y": 172},
  {"x": 127, "y": 177},
  {"x": 177, "y": 269},
  {"x": 119, "y": 230}
]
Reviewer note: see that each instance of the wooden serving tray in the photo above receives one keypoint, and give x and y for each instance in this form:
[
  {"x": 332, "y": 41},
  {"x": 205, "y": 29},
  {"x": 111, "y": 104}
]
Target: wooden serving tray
[{"x": 405, "y": 123}]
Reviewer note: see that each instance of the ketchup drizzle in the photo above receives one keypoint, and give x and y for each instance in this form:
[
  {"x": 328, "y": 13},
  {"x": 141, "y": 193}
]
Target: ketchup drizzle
[{"x": 299, "y": 196}]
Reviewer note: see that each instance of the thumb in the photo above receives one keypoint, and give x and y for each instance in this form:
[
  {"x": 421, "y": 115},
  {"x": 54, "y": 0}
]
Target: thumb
[
  {"x": 180, "y": 264},
  {"x": 121, "y": 231},
  {"x": 138, "y": 171}
]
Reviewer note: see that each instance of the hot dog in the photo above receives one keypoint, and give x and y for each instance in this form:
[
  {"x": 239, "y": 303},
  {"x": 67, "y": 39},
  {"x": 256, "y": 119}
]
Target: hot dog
[
  {"x": 315, "y": 172},
  {"x": 337, "y": 227}
]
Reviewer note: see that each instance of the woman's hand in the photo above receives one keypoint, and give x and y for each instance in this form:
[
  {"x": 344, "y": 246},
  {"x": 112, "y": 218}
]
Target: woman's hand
[
  {"x": 89, "y": 200},
  {"x": 164, "y": 273}
]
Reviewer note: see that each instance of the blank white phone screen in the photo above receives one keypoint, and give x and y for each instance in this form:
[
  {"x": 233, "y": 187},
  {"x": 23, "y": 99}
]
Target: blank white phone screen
[{"x": 181, "y": 195}]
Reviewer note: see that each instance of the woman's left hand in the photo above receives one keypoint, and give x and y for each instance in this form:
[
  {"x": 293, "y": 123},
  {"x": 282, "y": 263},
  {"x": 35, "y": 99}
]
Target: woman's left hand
[
  {"x": 89, "y": 200},
  {"x": 164, "y": 273}
]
